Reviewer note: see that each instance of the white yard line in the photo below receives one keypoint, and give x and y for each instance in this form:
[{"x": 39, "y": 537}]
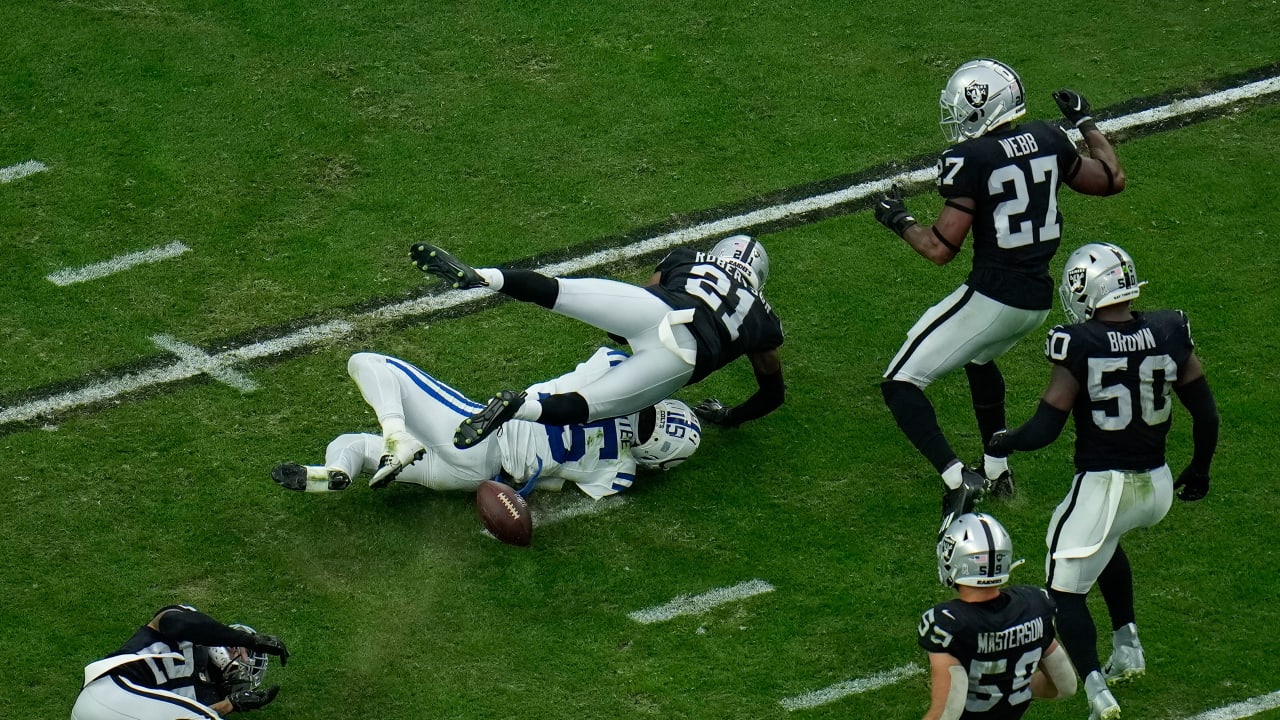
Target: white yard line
[
  {"x": 131, "y": 382},
  {"x": 1243, "y": 709},
  {"x": 203, "y": 362},
  {"x": 21, "y": 170},
  {"x": 116, "y": 264},
  {"x": 850, "y": 687},
  {"x": 697, "y": 604}
]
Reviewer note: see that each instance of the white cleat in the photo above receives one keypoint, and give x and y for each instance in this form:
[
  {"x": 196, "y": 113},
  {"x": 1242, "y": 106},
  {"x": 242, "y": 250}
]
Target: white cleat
[
  {"x": 1127, "y": 661},
  {"x": 1102, "y": 704},
  {"x": 399, "y": 451}
]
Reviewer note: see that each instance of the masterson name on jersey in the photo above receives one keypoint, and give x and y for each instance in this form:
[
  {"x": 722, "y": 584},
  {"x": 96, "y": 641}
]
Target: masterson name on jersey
[
  {"x": 1124, "y": 342},
  {"x": 1028, "y": 632}
]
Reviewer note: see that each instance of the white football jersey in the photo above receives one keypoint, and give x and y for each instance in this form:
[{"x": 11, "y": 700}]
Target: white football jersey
[{"x": 596, "y": 456}]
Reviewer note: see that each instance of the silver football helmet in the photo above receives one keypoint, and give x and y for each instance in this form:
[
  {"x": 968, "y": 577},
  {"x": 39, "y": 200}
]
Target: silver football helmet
[
  {"x": 747, "y": 254},
  {"x": 975, "y": 550},
  {"x": 239, "y": 665},
  {"x": 676, "y": 435},
  {"x": 1097, "y": 275},
  {"x": 980, "y": 95}
]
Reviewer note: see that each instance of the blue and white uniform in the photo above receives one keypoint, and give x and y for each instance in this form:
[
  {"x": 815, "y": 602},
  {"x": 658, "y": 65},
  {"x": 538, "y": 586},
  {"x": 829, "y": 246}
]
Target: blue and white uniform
[{"x": 595, "y": 456}]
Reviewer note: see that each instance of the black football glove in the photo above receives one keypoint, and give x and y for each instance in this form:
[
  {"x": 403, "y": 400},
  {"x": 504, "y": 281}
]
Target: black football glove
[
  {"x": 271, "y": 645},
  {"x": 892, "y": 213},
  {"x": 713, "y": 411},
  {"x": 1192, "y": 485},
  {"x": 242, "y": 700},
  {"x": 997, "y": 446},
  {"x": 1073, "y": 105}
]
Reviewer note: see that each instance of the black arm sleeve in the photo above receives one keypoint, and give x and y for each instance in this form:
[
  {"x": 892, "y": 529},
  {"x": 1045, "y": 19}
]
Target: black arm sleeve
[
  {"x": 201, "y": 629},
  {"x": 769, "y": 397},
  {"x": 1043, "y": 428},
  {"x": 1198, "y": 399}
]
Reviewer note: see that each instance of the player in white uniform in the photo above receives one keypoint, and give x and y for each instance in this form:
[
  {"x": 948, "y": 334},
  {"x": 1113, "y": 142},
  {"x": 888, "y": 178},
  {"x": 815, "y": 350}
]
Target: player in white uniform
[{"x": 419, "y": 414}]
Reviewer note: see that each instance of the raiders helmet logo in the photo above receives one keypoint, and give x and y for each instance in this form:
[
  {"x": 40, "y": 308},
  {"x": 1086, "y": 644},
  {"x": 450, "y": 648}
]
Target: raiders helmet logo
[
  {"x": 976, "y": 94},
  {"x": 1076, "y": 278}
]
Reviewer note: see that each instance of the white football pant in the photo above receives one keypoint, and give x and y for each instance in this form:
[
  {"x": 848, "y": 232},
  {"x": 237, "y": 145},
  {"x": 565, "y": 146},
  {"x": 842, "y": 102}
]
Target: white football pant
[
  {"x": 116, "y": 698},
  {"x": 965, "y": 327},
  {"x": 1100, "y": 508}
]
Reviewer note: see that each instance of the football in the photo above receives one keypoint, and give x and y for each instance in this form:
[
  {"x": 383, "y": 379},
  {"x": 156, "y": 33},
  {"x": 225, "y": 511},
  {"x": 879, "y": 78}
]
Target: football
[{"x": 504, "y": 513}]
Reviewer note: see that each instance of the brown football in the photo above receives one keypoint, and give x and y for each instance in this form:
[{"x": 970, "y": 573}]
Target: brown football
[{"x": 504, "y": 513}]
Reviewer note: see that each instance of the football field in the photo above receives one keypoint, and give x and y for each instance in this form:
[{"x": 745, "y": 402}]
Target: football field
[{"x": 205, "y": 208}]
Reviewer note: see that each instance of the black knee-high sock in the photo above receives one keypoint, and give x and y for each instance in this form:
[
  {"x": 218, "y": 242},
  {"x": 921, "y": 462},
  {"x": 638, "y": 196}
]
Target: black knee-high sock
[
  {"x": 915, "y": 416},
  {"x": 530, "y": 286},
  {"x": 986, "y": 386},
  {"x": 566, "y": 409},
  {"x": 1076, "y": 631},
  {"x": 1116, "y": 584}
]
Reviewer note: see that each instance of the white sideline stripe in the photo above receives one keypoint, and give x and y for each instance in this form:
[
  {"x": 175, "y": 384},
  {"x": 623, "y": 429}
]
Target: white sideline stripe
[
  {"x": 574, "y": 508},
  {"x": 116, "y": 264},
  {"x": 1243, "y": 709},
  {"x": 133, "y": 382},
  {"x": 203, "y": 362},
  {"x": 850, "y": 687},
  {"x": 21, "y": 170},
  {"x": 696, "y": 604},
  {"x": 129, "y": 382}
]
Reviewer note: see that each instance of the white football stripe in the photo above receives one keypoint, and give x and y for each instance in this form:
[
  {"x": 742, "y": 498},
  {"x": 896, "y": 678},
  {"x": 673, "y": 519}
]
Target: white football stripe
[
  {"x": 131, "y": 382},
  {"x": 1243, "y": 709},
  {"x": 697, "y": 604},
  {"x": 21, "y": 170},
  {"x": 116, "y": 264},
  {"x": 850, "y": 687}
]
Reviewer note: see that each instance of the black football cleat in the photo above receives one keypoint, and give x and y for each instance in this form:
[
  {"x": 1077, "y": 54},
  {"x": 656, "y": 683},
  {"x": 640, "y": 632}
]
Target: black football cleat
[
  {"x": 481, "y": 425},
  {"x": 1003, "y": 487},
  {"x": 435, "y": 260},
  {"x": 290, "y": 476},
  {"x": 959, "y": 501}
]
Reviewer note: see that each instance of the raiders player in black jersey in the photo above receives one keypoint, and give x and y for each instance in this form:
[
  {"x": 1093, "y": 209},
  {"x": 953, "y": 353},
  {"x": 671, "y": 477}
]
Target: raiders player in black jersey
[
  {"x": 1001, "y": 182},
  {"x": 182, "y": 664},
  {"x": 991, "y": 649},
  {"x": 698, "y": 312},
  {"x": 1114, "y": 370}
]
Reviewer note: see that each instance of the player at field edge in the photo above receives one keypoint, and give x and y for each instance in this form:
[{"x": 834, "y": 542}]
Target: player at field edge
[
  {"x": 991, "y": 649},
  {"x": 181, "y": 664},
  {"x": 999, "y": 182},
  {"x": 418, "y": 414},
  {"x": 1114, "y": 369},
  {"x": 698, "y": 312}
]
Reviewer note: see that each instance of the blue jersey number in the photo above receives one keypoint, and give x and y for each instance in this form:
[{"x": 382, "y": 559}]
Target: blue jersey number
[{"x": 577, "y": 447}]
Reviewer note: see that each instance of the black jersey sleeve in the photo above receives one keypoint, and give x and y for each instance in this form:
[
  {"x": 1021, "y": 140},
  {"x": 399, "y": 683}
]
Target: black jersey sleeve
[
  {"x": 937, "y": 630},
  {"x": 958, "y": 174}
]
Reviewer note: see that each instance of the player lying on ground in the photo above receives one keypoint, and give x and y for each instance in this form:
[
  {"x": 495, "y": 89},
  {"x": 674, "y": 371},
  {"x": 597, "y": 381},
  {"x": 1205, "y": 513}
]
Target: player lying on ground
[
  {"x": 181, "y": 664},
  {"x": 419, "y": 413},
  {"x": 698, "y": 312},
  {"x": 1114, "y": 370}
]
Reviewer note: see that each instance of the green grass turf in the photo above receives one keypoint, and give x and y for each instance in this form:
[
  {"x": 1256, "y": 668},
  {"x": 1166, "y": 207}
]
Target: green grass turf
[{"x": 298, "y": 147}]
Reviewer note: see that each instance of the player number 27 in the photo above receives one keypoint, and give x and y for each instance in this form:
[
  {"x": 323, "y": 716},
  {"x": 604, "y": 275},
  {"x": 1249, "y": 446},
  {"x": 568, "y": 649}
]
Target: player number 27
[
  {"x": 1012, "y": 232},
  {"x": 712, "y": 285}
]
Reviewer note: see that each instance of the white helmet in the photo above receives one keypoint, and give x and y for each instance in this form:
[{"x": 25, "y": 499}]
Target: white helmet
[
  {"x": 1096, "y": 275},
  {"x": 239, "y": 665},
  {"x": 747, "y": 254},
  {"x": 975, "y": 550},
  {"x": 676, "y": 434},
  {"x": 980, "y": 95}
]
